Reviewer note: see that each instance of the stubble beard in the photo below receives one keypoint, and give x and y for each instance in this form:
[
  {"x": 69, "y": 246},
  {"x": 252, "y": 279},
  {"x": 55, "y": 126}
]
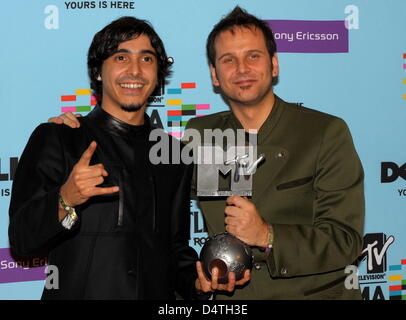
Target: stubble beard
[
  {"x": 248, "y": 103},
  {"x": 131, "y": 107}
]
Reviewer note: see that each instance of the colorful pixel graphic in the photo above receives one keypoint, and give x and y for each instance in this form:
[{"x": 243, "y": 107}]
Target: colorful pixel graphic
[
  {"x": 83, "y": 99},
  {"x": 397, "y": 281},
  {"x": 179, "y": 113}
]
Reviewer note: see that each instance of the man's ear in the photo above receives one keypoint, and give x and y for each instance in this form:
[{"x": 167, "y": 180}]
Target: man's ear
[
  {"x": 275, "y": 65},
  {"x": 214, "y": 79}
]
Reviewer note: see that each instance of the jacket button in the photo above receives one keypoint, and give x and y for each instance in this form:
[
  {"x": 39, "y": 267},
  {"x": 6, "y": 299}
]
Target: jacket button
[
  {"x": 280, "y": 154},
  {"x": 130, "y": 272},
  {"x": 257, "y": 266},
  {"x": 284, "y": 271}
]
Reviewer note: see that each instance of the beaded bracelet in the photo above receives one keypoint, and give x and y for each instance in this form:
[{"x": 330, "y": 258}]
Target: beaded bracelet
[{"x": 270, "y": 239}]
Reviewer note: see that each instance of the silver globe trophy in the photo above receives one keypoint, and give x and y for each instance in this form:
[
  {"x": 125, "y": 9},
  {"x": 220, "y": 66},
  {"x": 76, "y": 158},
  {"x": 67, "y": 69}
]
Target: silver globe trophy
[
  {"x": 225, "y": 251},
  {"x": 228, "y": 254}
]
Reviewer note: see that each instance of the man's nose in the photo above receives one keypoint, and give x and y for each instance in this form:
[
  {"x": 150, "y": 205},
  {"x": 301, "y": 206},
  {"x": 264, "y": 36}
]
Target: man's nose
[
  {"x": 134, "y": 68},
  {"x": 243, "y": 66}
]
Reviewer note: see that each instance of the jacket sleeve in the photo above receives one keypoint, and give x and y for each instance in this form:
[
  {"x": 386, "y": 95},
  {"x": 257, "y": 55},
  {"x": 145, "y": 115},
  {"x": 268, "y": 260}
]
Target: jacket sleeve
[
  {"x": 335, "y": 238},
  {"x": 33, "y": 211},
  {"x": 185, "y": 256},
  {"x": 191, "y": 146}
]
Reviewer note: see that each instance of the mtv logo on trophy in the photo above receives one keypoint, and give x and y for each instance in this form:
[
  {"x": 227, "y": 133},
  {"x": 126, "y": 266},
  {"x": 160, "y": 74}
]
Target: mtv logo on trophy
[
  {"x": 225, "y": 251},
  {"x": 238, "y": 160}
]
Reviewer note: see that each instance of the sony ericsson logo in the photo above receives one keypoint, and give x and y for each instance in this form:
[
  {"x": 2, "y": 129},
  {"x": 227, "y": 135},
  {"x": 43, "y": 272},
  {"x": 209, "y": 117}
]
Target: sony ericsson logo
[
  {"x": 13, "y": 269},
  {"x": 304, "y": 36}
]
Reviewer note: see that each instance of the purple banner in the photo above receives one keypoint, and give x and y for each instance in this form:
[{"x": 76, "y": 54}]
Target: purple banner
[
  {"x": 310, "y": 36},
  {"x": 20, "y": 270}
]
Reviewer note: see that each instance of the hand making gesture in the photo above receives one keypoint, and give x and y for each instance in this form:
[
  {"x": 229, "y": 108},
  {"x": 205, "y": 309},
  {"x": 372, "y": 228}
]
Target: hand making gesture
[{"x": 83, "y": 180}]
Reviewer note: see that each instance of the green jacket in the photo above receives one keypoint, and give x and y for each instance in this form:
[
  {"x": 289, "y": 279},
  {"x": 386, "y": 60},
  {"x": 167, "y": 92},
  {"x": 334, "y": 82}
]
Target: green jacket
[{"x": 310, "y": 189}]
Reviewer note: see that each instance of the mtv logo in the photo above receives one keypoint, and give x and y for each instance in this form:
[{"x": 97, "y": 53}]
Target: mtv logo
[
  {"x": 375, "y": 248},
  {"x": 236, "y": 165}
]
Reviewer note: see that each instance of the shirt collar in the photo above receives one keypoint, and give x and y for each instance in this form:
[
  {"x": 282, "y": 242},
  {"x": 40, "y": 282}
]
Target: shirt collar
[{"x": 117, "y": 126}]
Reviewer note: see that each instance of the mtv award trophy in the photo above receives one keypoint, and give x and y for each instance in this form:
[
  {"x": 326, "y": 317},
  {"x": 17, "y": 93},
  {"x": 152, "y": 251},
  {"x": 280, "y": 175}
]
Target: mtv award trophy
[{"x": 225, "y": 251}]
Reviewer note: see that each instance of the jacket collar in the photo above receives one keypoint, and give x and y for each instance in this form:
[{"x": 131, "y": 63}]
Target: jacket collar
[
  {"x": 116, "y": 126},
  {"x": 269, "y": 123},
  {"x": 276, "y": 156}
]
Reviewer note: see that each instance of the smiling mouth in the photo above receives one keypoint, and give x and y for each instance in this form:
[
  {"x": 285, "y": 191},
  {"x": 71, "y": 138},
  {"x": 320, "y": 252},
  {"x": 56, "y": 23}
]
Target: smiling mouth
[
  {"x": 244, "y": 83},
  {"x": 131, "y": 85}
]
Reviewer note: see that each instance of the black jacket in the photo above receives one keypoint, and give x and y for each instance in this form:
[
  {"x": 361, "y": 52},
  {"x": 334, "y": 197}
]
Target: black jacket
[{"x": 101, "y": 257}]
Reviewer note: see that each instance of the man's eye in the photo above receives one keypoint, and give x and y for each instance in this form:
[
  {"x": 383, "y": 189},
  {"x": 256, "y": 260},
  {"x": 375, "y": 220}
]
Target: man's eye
[
  {"x": 120, "y": 58},
  {"x": 228, "y": 60},
  {"x": 254, "y": 56},
  {"x": 147, "y": 59}
]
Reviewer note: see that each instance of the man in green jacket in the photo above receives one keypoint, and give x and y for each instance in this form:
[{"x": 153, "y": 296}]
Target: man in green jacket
[{"x": 305, "y": 218}]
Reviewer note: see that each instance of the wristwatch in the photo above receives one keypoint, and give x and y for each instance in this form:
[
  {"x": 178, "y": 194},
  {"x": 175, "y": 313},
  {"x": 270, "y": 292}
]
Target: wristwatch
[{"x": 71, "y": 218}]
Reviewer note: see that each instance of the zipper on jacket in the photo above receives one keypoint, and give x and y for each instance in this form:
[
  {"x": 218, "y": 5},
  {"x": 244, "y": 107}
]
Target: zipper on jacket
[
  {"x": 152, "y": 180},
  {"x": 120, "y": 201}
]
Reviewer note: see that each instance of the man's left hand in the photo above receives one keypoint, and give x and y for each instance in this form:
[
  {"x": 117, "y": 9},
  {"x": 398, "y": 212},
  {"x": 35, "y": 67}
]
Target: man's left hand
[{"x": 245, "y": 222}]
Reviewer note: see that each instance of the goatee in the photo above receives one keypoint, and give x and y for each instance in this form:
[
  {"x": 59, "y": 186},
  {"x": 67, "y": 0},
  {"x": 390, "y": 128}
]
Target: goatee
[{"x": 131, "y": 107}]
